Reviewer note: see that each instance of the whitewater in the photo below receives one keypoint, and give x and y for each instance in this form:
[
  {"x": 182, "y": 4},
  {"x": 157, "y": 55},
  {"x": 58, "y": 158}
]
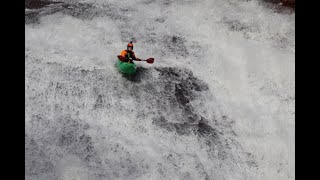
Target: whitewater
[{"x": 217, "y": 103}]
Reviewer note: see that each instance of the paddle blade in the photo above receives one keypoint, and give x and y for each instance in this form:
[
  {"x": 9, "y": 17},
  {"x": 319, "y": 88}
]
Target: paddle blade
[
  {"x": 121, "y": 58},
  {"x": 150, "y": 60}
]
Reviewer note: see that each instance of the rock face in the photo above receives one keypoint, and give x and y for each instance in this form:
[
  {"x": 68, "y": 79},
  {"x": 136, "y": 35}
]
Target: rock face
[
  {"x": 35, "y": 4},
  {"x": 286, "y": 3},
  {"x": 289, "y": 3}
]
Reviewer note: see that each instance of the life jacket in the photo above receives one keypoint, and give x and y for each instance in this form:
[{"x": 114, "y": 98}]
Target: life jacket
[{"x": 128, "y": 54}]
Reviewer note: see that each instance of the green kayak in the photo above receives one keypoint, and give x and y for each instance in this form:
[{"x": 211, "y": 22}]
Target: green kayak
[{"x": 126, "y": 68}]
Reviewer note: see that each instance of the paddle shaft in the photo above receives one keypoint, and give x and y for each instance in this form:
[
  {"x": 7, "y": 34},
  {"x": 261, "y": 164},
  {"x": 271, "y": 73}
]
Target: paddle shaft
[{"x": 150, "y": 60}]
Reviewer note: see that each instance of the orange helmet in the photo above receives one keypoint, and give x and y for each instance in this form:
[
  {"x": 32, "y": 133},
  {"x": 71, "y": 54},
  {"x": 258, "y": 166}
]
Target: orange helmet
[{"x": 130, "y": 45}]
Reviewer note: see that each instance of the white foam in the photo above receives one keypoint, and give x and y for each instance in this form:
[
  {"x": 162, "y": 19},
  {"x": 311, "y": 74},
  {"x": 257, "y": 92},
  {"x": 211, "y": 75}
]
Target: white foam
[{"x": 245, "y": 54}]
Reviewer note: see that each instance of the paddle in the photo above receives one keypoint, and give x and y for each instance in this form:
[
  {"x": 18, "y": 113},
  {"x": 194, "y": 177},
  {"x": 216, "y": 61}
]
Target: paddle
[{"x": 150, "y": 60}]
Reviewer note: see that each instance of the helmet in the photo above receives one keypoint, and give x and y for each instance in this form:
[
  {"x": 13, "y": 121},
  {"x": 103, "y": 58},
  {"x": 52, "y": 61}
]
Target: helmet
[{"x": 130, "y": 45}]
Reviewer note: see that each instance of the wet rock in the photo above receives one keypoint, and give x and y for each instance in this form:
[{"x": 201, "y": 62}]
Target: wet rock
[
  {"x": 36, "y": 4},
  {"x": 79, "y": 10},
  {"x": 291, "y": 4},
  {"x": 181, "y": 95}
]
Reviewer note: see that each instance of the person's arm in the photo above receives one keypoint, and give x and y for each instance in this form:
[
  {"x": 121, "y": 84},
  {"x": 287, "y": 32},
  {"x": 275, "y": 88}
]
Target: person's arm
[{"x": 135, "y": 58}]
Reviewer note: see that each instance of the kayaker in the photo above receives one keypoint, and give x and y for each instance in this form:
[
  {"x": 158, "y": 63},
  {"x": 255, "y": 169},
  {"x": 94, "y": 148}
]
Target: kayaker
[{"x": 129, "y": 54}]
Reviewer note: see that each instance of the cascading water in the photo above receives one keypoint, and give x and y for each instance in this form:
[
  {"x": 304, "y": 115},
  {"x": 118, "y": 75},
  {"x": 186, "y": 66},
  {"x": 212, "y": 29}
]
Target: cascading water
[{"x": 217, "y": 103}]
